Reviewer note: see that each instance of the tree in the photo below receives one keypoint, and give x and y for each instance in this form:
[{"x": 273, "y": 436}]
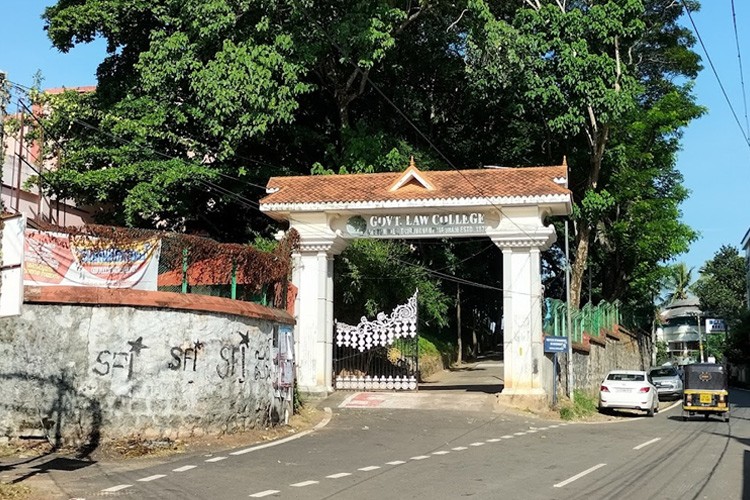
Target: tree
[
  {"x": 722, "y": 285},
  {"x": 203, "y": 100},
  {"x": 604, "y": 124},
  {"x": 677, "y": 283}
]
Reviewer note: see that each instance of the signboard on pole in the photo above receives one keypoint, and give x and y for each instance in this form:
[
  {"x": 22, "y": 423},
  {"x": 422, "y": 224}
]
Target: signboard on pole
[
  {"x": 555, "y": 344},
  {"x": 715, "y": 325}
]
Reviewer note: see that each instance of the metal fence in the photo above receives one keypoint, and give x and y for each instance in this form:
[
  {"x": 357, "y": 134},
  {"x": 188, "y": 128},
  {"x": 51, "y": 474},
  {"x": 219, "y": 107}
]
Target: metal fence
[{"x": 595, "y": 320}]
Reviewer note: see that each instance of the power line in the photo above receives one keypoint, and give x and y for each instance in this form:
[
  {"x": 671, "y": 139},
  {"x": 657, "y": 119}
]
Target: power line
[
  {"x": 739, "y": 59},
  {"x": 716, "y": 74}
]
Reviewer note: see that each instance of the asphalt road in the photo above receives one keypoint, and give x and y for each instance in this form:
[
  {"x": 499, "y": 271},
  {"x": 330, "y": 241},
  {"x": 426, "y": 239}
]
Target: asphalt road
[{"x": 430, "y": 454}]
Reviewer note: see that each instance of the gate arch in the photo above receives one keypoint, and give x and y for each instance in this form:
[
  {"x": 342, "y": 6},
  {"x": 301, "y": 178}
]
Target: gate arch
[{"x": 508, "y": 205}]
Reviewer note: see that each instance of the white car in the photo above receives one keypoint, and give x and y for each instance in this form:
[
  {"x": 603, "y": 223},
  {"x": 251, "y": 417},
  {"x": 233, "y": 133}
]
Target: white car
[{"x": 628, "y": 389}]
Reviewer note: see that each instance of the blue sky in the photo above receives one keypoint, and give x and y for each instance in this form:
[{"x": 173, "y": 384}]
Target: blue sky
[{"x": 715, "y": 160}]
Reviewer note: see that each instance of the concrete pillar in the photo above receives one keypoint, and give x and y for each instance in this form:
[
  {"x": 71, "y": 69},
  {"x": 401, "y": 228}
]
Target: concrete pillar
[
  {"x": 313, "y": 276},
  {"x": 521, "y": 236}
]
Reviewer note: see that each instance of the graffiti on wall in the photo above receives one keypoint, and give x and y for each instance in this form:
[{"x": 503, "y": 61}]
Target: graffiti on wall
[
  {"x": 184, "y": 357},
  {"x": 114, "y": 362}
]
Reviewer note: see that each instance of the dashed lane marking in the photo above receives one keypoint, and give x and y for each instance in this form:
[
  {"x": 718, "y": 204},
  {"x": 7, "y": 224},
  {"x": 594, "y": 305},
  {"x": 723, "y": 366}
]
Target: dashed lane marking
[
  {"x": 369, "y": 468},
  {"x": 216, "y": 459},
  {"x": 643, "y": 445},
  {"x": 579, "y": 476},
  {"x": 114, "y": 489},
  {"x": 459, "y": 448},
  {"x": 262, "y": 494},
  {"x": 340, "y": 474},
  {"x": 152, "y": 478},
  {"x": 184, "y": 468},
  {"x": 441, "y": 452},
  {"x": 395, "y": 462},
  {"x": 494, "y": 440},
  {"x": 420, "y": 457},
  {"x": 303, "y": 484},
  {"x": 507, "y": 436},
  {"x": 478, "y": 443}
]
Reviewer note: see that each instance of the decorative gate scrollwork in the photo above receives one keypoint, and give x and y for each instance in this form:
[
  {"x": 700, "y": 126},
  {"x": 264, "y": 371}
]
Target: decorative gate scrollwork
[{"x": 378, "y": 355}]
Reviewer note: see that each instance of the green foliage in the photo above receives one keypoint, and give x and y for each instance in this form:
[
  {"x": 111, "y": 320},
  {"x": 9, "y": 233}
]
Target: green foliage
[
  {"x": 662, "y": 352},
  {"x": 721, "y": 287},
  {"x": 377, "y": 275},
  {"x": 584, "y": 406},
  {"x": 204, "y": 100}
]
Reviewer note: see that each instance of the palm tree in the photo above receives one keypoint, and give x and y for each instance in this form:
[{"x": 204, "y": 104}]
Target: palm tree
[{"x": 677, "y": 283}]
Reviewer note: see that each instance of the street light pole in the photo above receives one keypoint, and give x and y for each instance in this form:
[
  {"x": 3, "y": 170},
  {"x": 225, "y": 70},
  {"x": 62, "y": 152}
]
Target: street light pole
[{"x": 700, "y": 339}]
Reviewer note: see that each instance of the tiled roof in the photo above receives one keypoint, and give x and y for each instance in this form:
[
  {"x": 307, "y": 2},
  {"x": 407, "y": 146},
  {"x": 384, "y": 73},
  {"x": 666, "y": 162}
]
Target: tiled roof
[{"x": 448, "y": 184}]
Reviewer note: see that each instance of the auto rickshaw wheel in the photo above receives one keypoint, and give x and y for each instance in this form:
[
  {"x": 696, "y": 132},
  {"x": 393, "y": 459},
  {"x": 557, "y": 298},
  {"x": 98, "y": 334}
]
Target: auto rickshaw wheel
[{"x": 706, "y": 415}]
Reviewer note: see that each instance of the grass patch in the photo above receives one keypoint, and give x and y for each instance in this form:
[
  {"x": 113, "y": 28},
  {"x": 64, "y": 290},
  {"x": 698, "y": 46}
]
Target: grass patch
[
  {"x": 14, "y": 491},
  {"x": 584, "y": 406}
]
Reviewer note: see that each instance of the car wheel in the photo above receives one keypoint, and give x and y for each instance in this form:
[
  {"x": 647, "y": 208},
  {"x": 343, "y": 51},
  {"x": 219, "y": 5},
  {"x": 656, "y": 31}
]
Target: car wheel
[
  {"x": 650, "y": 412},
  {"x": 726, "y": 417},
  {"x": 706, "y": 415}
]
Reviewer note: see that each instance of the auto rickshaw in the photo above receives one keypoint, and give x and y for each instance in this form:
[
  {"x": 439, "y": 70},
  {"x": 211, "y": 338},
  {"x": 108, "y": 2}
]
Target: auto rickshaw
[{"x": 705, "y": 391}]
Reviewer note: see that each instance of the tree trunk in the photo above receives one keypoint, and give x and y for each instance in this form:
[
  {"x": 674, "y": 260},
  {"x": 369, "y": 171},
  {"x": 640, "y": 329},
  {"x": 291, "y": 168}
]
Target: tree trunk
[{"x": 579, "y": 264}]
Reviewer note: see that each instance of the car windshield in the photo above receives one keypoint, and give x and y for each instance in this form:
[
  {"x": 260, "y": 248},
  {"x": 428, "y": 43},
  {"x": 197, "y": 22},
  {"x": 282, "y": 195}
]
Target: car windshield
[
  {"x": 663, "y": 372},
  {"x": 626, "y": 377}
]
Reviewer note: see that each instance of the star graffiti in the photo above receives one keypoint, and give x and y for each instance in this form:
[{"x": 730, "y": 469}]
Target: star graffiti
[
  {"x": 245, "y": 339},
  {"x": 137, "y": 346}
]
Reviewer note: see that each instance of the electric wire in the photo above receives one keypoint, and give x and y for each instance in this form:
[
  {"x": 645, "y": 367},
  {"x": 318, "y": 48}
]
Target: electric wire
[
  {"x": 256, "y": 205},
  {"x": 716, "y": 74},
  {"x": 739, "y": 60}
]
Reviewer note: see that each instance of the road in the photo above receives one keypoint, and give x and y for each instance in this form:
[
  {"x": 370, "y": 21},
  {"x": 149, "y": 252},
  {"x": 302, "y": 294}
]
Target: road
[{"x": 374, "y": 453}]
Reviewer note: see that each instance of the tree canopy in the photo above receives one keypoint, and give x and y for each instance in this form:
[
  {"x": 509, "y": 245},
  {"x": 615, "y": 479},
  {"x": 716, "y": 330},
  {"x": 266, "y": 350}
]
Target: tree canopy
[{"x": 198, "y": 102}]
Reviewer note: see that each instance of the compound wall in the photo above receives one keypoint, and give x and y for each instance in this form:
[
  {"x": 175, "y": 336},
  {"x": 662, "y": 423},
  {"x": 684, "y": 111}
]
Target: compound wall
[{"x": 84, "y": 364}]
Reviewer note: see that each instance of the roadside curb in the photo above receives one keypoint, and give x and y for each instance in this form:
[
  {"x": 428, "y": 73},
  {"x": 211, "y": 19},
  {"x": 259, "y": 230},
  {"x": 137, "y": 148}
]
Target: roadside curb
[{"x": 316, "y": 427}]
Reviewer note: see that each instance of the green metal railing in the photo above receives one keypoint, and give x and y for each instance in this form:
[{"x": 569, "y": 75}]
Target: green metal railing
[{"x": 596, "y": 320}]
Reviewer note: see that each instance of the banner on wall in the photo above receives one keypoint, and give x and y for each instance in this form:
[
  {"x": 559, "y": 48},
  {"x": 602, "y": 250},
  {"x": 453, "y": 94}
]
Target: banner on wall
[{"x": 62, "y": 259}]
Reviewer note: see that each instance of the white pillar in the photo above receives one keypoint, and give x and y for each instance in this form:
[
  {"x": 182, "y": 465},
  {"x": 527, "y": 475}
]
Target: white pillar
[
  {"x": 522, "y": 313},
  {"x": 521, "y": 236},
  {"x": 313, "y": 277}
]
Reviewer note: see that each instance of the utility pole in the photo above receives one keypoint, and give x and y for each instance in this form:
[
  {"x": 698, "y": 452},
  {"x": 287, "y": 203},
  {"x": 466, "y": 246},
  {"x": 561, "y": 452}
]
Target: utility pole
[
  {"x": 700, "y": 339},
  {"x": 568, "y": 319}
]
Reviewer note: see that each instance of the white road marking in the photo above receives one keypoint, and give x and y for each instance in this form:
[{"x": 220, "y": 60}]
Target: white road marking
[
  {"x": 152, "y": 478},
  {"x": 318, "y": 426},
  {"x": 519, "y": 433},
  {"x": 459, "y": 448},
  {"x": 543, "y": 428},
  {"x": 531, "y": 431},
  {"x": 395, "y": 462},
  {"x": 507, "y": 436},
  {"x": 184, "y": 468},
  {"x": 643, "y": 445},
  {"x": 419, "y": 457},
  {"x": 477, "y": 444},
  {"x": 579, "y": 476},
  {"x": 303, "y": 483},
  {"x": 216, "y": 459},
  {"x": 262, "y": 494},
  {"x": 116, "y": 488},
  {"x": 441, "y": 452},
  {"x": 369, "y": 468},
  {"x": 554, "y": 426},
  {"x": 340, "y": 474},
  {"x": 494, "y": 440}
]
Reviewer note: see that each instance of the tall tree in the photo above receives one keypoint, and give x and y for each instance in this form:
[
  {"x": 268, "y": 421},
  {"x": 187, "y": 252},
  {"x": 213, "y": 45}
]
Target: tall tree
[
  {"x": 547, "y": 52},
  {"x": 678, "y": 282},
  {"x": 723, "y": 284}
]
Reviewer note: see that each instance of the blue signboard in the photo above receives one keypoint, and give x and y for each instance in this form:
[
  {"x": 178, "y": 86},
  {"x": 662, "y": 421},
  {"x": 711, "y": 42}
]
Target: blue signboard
[{"x": 555, "y": 344}]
